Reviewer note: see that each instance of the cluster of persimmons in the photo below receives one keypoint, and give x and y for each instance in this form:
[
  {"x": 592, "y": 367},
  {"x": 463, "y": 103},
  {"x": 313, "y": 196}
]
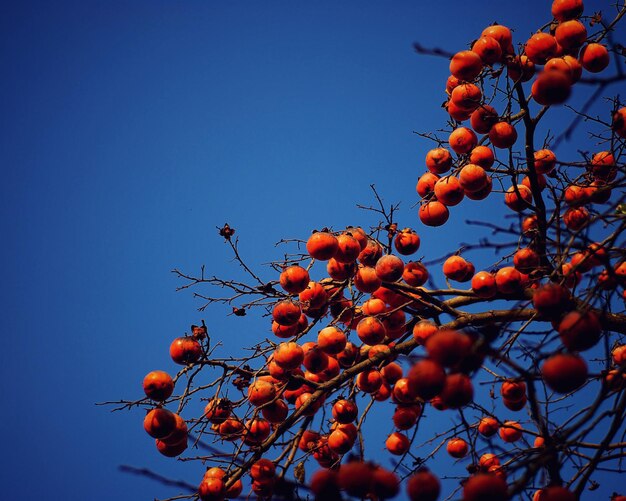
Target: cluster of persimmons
[{"x": 369, "y": 331}]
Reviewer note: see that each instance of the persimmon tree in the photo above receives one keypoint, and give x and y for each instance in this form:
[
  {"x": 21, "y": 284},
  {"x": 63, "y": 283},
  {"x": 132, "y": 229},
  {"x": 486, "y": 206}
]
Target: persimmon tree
[{"x": 526, "y": 357}]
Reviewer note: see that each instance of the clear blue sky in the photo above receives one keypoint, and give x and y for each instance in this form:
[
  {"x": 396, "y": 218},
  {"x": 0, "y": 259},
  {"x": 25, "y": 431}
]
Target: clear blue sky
[{"x": 128, "y": 131}]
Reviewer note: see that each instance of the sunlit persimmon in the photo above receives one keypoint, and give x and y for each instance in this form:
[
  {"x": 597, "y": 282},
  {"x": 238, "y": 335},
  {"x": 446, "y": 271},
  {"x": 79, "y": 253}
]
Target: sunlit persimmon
[
  {"x": 322, "y": 245},
  {"x": 397, "y": 443},
  {"x": 472, "y": 177},
  {"x": 315, "y": 360},
  {"x": 424, "y": 329},
  {"x": 457, "y": 447},
  {"x": 338, "y": 270},
  {"x": 517, "y": 197},
  {"x": 185, "y": 350},
  {"x": 331, "y": 340},
  {"x": 488, "y": 426},
  {"x": 415, "y": 274},
  {"x": 369, "y": 380},
  {"x": 389, "y": 268},
  {"x": 466, "y": 96},
  {"x": 466, "y": 65},
  {"x": 286, "y": 312},
  {"x": 551, "y": 87},
  {"x": 426, "y": 184},
  {"x": 406, "y": 242},
  {"x": 158, "y": 385},
  {"x": 212, "y": 489},
  {"x": 570, "y": 34},
  {"x": 348, "y": 248},
  {"x": 458, "y": 269},
  {"x": 483, "y": 118},
  {"x": 159, "y": 423},
  {"x": 371, "y": 330},
  {"x": 575, "y": 218},
  {"x": 433, "y": 213},
  {"x": 294, "y": 279},
  {"x": 370, "y": 253},
  {"x": 540, "y": 47},
  {"x": 508, "y": 280},
  {"x": 594, "y": 57},
  {"x": 488, "y": 48},
  {"x": 502, "y": 135},
  {"x": 526, "y": 260},
  {"x": 562, "y": 10},
  {"x": 484, "y": 284},
  {"x": 438, "y": 160},
  {"x": 462, "y": 140},
  {"x": 449, "y": 191},
  {"x": 510, "y": 431}
]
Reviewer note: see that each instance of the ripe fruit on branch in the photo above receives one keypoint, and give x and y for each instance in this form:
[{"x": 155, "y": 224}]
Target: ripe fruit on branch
[
  {"x": 520, "y": 68},
  {"x": 286, "y": 313},
  {"x": 294, "y": 279},
  {"x": 488, "y": 426},
  {"x": 406, "y": 242},
  {"x": 540, "y": 47},
  {"x": 457, "y": 447},
  {"x": 571, "y": 34},
  {"x": 564, "y": 373},
  {"x": 348, "y": 248},
  {"x": 489, "y": 50},
  {"x": 502, "y": 34},
  {"x": 508, "y": 280},
  {"x": 158, "y": 385},
  {"x": 551, "y": 299},
  {"x": 397, "y": 443},
  {"x": 483, "y": 118},
  {"x": 462, "y": 140},
  {"x": 510, "y": 431},
  {"x": 426, "y": 184},
  {"x": 545, "y": 161},
  {"x": 458, "y": 269},
  {"x": 389, "y": 268},
  {"x": 433, "y": 213},
  {"x": 594, "y": 57},
  {"x": 473, "y": 177},
  {"x": 580, "y": 331},
  {"x": 502, "y": 135},
  {"x": 448, "y": 191},
  {"x": 185, "y": 350},
  {"x": 517, "y": 199},
  {"x": 159, "y": 423},
  {"x": 438, "y": 160},
  {"x": 322, "y": 245},
  {"x": 562, "y": 10},
  {"x": 551, "y": 87},
  {"x": 466, "y": 65},
  {"x": 415, "y": 274}
]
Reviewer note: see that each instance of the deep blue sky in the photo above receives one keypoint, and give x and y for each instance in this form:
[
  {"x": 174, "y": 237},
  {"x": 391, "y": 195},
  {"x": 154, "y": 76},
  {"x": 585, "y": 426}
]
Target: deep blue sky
[{"x": 128, "y": 131}]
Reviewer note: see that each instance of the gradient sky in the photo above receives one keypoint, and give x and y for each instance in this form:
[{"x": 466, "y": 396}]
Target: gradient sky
[{"x": 129, "y": 131}]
